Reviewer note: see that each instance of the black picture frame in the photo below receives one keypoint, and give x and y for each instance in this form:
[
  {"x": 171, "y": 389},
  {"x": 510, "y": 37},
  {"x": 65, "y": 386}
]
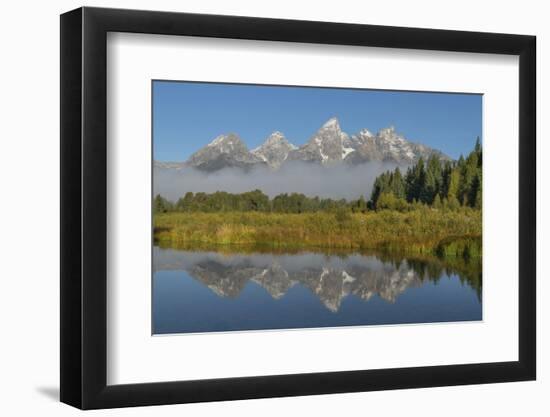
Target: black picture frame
[{"x": 84, "y": 207}]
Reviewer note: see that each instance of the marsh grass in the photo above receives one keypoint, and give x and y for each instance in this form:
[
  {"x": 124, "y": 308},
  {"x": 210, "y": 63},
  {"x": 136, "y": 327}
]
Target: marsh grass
[{"x": 425, "y": 230}]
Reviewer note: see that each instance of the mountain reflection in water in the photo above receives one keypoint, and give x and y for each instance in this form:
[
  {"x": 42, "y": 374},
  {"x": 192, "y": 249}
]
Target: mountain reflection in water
[{"x": 332, "y": 279}]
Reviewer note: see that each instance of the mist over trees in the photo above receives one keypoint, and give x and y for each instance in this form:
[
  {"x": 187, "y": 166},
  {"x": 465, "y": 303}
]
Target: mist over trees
[
  {"x": 434, "y": 183},
  {"x": 334, "y": 181}
]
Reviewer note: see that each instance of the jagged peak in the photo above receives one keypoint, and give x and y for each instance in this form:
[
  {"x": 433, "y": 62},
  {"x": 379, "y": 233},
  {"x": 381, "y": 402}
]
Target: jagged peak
[
  {"x": 331, "y": 123},
  {"x": 276, "y": 137},
  {"x": 389, "y": 134},
  {"x": 327, "y": 145},
  {"x": 225, "y": 138},
  {"x": 387, "y": 131},
  {"x": 365, "y": 133},
  {"x": 217, "y": 140}
]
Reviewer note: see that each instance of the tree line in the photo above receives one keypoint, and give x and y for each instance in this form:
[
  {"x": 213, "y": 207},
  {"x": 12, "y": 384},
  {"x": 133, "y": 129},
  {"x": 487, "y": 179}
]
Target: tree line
[
  {"x": 435, "y": 183},
  {"x": 221, "y": 201}
]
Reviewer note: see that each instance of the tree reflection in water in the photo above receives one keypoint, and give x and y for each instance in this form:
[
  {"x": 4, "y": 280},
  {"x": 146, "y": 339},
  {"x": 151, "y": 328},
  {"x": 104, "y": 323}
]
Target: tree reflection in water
[{"x": 331, "y": 277}]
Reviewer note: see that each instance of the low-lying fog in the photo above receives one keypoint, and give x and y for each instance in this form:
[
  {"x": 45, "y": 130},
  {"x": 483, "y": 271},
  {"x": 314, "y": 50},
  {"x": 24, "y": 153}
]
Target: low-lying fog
[{"x": 337, "y": 181}]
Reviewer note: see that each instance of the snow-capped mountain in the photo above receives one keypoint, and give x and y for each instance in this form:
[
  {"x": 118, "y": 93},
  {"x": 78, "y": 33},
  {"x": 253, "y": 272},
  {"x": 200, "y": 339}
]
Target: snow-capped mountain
[
  {"x": 329, "y": 145},
  {"x": 388, "y": 146},
  {"x": 274, "y": 151},
  {"x": 224, "y": 151}
]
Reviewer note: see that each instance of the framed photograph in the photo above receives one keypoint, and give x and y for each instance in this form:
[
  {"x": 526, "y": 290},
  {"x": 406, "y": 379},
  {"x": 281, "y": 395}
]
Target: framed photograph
[{"x": 257, "y": 208}]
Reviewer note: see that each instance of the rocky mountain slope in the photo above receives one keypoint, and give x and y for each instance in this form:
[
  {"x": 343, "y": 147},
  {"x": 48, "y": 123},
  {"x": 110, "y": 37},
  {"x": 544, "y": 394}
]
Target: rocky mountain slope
[
  {"x": 223, "y": 152},
  {"x": 274, "y": 151},
  {"x": 329, "y": 145}
]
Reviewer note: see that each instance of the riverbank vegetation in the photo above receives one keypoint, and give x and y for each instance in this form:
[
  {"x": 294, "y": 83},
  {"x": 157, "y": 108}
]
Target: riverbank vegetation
[{"x": 423, "y": 230}]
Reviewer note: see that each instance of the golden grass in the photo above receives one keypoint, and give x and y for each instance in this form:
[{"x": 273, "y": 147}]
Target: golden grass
[{"x": 424, "y": 230}]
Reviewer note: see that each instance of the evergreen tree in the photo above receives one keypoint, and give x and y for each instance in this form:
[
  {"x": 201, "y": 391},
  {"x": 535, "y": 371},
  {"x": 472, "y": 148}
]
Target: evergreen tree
[
  {"x": 161, "y": 205},
  {"x": 476, "y": 192},
  {"x": 445, "y": 178},
  {"x": 433, "y": 182},
  {"x": 416, "y": 180},
  {"x": 468, "y": 172},
  {"x": 479, "y": 152},
  {"x": 381, "y": 184},
  {"x": 397, "y": 185},
  {"x": 455, "y": 183}
]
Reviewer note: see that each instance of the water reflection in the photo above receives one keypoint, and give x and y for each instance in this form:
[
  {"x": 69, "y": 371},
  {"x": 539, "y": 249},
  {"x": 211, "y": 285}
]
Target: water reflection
[{"x": 332, "y": 279}]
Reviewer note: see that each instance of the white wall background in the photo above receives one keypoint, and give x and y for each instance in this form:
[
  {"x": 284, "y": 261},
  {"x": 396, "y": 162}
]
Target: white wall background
[{"x": 29, "y": 220}]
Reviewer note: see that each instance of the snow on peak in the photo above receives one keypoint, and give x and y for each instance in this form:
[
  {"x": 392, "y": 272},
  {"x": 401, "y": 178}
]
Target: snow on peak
[
  {"x": 218, "y": 140},
  {"x": 387, "y": 132},
  {"x": 366, "y": 133},
  {"x": 389, "y": 135},
  {"x": 226, "y": 144},
  {"x": 274, "y": 151},
  {"x": 275, "y": 137},
  {"x": 331, "y": 123},
  {"x": 346, "y": 151}
]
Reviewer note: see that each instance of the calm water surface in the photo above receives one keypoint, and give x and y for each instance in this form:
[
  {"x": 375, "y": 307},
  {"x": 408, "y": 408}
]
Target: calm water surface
[{"x": 197, "y": 291}]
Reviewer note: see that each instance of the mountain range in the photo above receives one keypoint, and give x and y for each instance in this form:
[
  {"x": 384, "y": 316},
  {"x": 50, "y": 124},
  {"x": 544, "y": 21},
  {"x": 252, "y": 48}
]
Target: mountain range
[
  {"x": 329, "y": 145},
  {"x": 228, "y": 277}
]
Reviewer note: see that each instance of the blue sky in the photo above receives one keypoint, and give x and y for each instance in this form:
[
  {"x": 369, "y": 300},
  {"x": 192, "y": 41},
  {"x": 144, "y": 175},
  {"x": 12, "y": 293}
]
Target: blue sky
[{"x": 187, "y": 116}]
